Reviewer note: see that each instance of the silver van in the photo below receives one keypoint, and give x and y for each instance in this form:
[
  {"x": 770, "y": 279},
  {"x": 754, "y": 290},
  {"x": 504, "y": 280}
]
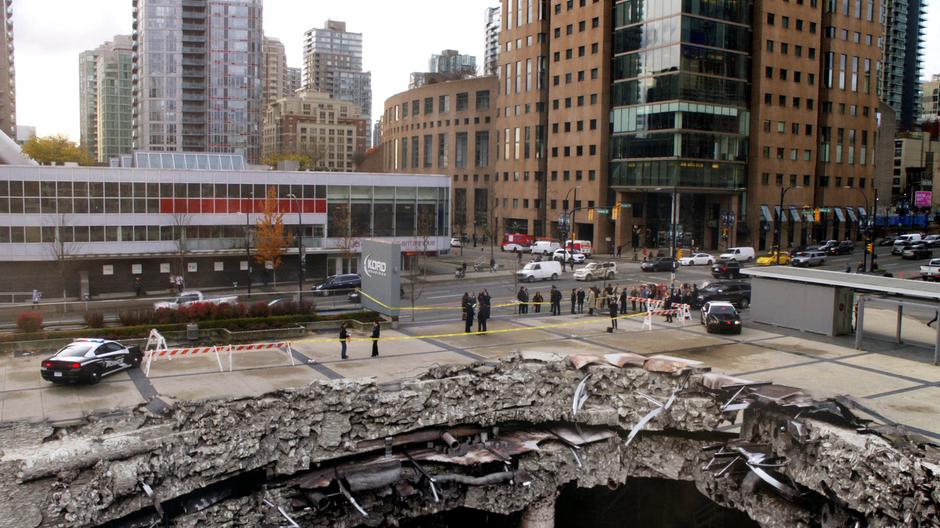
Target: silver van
[{"x": 809, "y": 258}]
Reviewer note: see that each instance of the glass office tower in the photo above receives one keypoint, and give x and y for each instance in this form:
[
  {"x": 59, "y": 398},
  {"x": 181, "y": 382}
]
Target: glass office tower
[{"x": 679, "y": 117}]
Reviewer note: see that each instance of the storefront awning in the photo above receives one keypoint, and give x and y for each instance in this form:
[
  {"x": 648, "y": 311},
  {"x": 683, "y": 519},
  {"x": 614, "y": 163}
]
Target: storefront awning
[
  {"x": 839, "y": 214},
  {"x": 852, "y": 217},
  {"x": 765, "y": 214},
  {"x": 783, "y": 218},
  {"x": 795, "y": 214},
  {"x": 862, "y": 212},
  {"x": 808, "y": 215}
]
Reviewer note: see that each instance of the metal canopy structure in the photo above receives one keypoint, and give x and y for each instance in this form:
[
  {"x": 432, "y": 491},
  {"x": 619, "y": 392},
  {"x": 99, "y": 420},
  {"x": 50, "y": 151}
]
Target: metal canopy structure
[
  {"x": 862, "y": 283},
  {"x": 898, "y": 292}
]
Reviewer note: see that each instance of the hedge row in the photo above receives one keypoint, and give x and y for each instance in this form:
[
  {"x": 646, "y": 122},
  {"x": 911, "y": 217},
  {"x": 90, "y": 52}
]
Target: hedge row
[{"x": 142, "y": 331}]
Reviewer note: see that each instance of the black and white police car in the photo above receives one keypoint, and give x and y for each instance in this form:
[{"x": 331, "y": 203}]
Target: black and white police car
[
  {"x": 721, "y": 317},
  {"x": 89, "y": 360}
]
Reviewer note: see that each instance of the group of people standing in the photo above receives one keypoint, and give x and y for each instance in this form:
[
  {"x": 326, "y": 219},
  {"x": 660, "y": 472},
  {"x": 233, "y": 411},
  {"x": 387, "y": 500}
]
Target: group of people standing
[
  {"x": 476, "y": 306},
  {"x": 344, "y": 339},
  {"x": 554, "y": 300}
]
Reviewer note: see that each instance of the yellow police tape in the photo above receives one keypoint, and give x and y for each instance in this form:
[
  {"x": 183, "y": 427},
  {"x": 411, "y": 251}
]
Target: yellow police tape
[
  {"x": 444, "y": 306},
  {"x": 456, "y": 334}
]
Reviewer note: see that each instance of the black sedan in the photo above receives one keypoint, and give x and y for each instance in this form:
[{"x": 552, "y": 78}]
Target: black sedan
[
  {"x": 917, "y": 252},
  {"x": 337, "y": 284},
  {"x": 721, "y": 317},
  {"x": 887, "y": 241},
  {"x": 726, "y": 269},
  {"x": 846, "y": 247},
  {"x": 89, "y": 360},
  {"x": 659, "y": 264}
]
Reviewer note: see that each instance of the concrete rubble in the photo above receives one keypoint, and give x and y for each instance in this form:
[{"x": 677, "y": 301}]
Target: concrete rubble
[{"x": 490, "y": 436}]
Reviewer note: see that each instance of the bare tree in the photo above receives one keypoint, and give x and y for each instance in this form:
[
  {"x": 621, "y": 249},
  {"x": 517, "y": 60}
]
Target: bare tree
[{"x": 62, "y": 249}]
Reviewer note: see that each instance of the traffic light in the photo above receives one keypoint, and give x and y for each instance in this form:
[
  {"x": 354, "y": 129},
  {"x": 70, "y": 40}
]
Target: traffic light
[
  {"x": 870, "y": 248},
  {"x": 679, "y": 254},
  {"x": 591, "y": 215},
  {"x": 817, "y": 216},
  {"x": 615, "y": 214}
]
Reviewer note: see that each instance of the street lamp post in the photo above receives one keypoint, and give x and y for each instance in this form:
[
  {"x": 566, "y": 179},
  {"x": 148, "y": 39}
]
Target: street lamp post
[
  {"x": 248, "y": 237},
  {"x": 777, "y": 234},
  {"x": 867, "y": 225},
  {"x": 300, "y": 250},
  {"x": 567, "y": 225}
]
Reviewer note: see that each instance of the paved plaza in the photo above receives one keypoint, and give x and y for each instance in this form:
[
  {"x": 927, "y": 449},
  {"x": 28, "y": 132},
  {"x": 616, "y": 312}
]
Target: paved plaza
[{"x": 898, "y": 382}]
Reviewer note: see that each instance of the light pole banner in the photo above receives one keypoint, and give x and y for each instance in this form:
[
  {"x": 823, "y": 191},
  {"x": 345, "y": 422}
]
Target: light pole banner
[{"x": 381, "y": 276}]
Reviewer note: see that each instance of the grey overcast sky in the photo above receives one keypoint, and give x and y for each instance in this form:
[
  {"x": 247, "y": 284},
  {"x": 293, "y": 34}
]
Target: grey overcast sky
[{"x": 399, "y": 37}]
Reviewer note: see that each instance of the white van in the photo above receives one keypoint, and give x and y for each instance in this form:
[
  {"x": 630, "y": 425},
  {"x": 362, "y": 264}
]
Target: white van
[
  {"x": 533, "y": 271},
  {"x": 741, "y": 254},
  {"x": 910, "y": 237},
  {"x": 544, "y": 247},
  {"x": 584, "y": 246}
]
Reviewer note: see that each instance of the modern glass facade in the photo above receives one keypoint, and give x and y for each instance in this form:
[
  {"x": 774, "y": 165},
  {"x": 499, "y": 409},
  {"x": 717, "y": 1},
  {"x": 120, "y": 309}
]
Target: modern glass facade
[
  {"x": 680, "y": 94},
  {"x": 198, "y": 76},
  {"x": 903, "y": 57},
  {"x": 105, "y": 95}
]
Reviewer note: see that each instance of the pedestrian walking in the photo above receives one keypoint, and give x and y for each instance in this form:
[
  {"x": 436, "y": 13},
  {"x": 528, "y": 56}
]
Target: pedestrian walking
[
  {"x": 343, "y": 339},
  {"x": 179, "y": 283},
  {"x": 555, "y": 297},
  {"x": 482, "y": 317},
  {"x": 376, "y": 330},
  {"x": 520, "y": 308},
  {"x": 537, "y": 302},
  {"x": 619, "y": 251},
  {"x": 138, "y": 287},
  {"x": 468, "y": 323},
  {"x": 492, "y": 264},
  {"x": 612, "y": 307},
  {"x": 574, "y": 300},
  {"x": 37, "y": 295},
  {"x": 581, "y": 296},
  {"x": 591, "y": 299}
]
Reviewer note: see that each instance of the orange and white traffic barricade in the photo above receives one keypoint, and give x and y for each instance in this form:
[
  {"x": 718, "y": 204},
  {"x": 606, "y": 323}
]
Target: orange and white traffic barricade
[{"x": 157, "y": 348}]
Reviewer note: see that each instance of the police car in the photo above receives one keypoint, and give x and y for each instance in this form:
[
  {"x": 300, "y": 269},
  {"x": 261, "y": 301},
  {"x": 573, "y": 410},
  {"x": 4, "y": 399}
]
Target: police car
[{"x": 89, "y": 360}]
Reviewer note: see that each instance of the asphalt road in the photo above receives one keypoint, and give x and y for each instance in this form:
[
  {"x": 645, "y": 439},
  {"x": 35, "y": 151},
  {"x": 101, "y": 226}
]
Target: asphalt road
[{"x": 448, "y": 292}]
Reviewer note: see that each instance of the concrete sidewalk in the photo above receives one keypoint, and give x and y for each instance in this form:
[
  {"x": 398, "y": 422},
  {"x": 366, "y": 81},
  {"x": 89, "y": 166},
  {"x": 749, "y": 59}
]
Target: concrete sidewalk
[{"x": 894, "y": 382}]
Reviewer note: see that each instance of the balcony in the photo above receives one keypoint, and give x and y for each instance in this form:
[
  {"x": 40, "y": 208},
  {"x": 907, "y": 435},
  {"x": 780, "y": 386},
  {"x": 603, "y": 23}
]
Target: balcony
[
  {"x": 194, "y": 121},
  {"x": 194, "y": 132},
  {"x": 194, "y": 15},
  {"x": 201, "y": 50},
  {"x": 193, "y": 62},
  {"x": 194, "y": 109},
  {"x": 193, "y": 97},
  {"x": 197, "y": 39},
  {"x": 187, "y": 85},
  {"x": 193, "y": 3}
]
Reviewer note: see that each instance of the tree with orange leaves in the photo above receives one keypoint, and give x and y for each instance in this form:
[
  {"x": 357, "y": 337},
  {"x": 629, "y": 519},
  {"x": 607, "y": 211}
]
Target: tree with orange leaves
[{"x": 272, "y": 239}]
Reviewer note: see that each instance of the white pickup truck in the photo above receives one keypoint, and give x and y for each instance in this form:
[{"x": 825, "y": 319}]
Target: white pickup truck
[
  {"x": 193, "y": 297},
  {"x": 931, "y": 271}
]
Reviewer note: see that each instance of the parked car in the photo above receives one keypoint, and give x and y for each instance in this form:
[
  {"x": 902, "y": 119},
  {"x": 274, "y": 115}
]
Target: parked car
[
  {"x": 828, "y": 245},
  {"x": 909, "y": 237},
  {"x": 808, "y": 258},
  {"x": 931, "y": 271},
  {"x": 544, "y": 247},
  {"x": 545, "y": 270},
  {"x": 596, "y": 270},
  {"x": 846, "y": 247},
  {"x": 736, "y": 292},
  {"x": 726, "y": 269},
  {"x": 338, "y": 284},
  {"x": 721, "y": 317},
  {"x": 698, "y": 259},
  {"x": 932, "y": 240},
  {"x": 772, "y": 259},
  {"x": 740, "y": 254},
  {"x": 194, "y": 297},
  {"x": 899, "y": 247},
  {"x": 89, "y": 360},
  {"x": 574, "y": 257},
  {"x": 887, "y": 241},
  {"x": 917, "y": 252},
  {"x": 455, "y": 242},
  {"x": 658, "y": 264}
]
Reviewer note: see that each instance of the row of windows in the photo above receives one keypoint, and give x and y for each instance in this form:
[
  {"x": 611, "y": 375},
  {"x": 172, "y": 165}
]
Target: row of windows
[
  {"x": 781, "y": 127},
  {"x": 578, "y": 126},
  {"x": 568, "y": 101},
  {"x": 785, "y": 22},
  {"x": 569, "y": 77},
  {"x": 784, "y": 75},
  {"x": 852, "y": 8},
  {"x": 797, "y": 102},
  {"x": 632, "y": 11},
  {"x": 848, "y": 72},
  {"x": 125, "y": 190},
  {"x": 569, "y": 53},
  {"x": 440, "y": 124},
  {"x": 142, "y": 233},
  {"x": 808, "y": 180},
  {"x": 462, "y": 100},
  {"x": 408, "y": 152},
  {"x": 582, "y": 26}
]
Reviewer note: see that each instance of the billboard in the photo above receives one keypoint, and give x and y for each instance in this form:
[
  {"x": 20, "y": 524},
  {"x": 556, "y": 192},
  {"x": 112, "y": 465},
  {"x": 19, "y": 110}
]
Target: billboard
[
  {"x": 923, "y": 199},
  {"x": 381, "y": 276}
]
